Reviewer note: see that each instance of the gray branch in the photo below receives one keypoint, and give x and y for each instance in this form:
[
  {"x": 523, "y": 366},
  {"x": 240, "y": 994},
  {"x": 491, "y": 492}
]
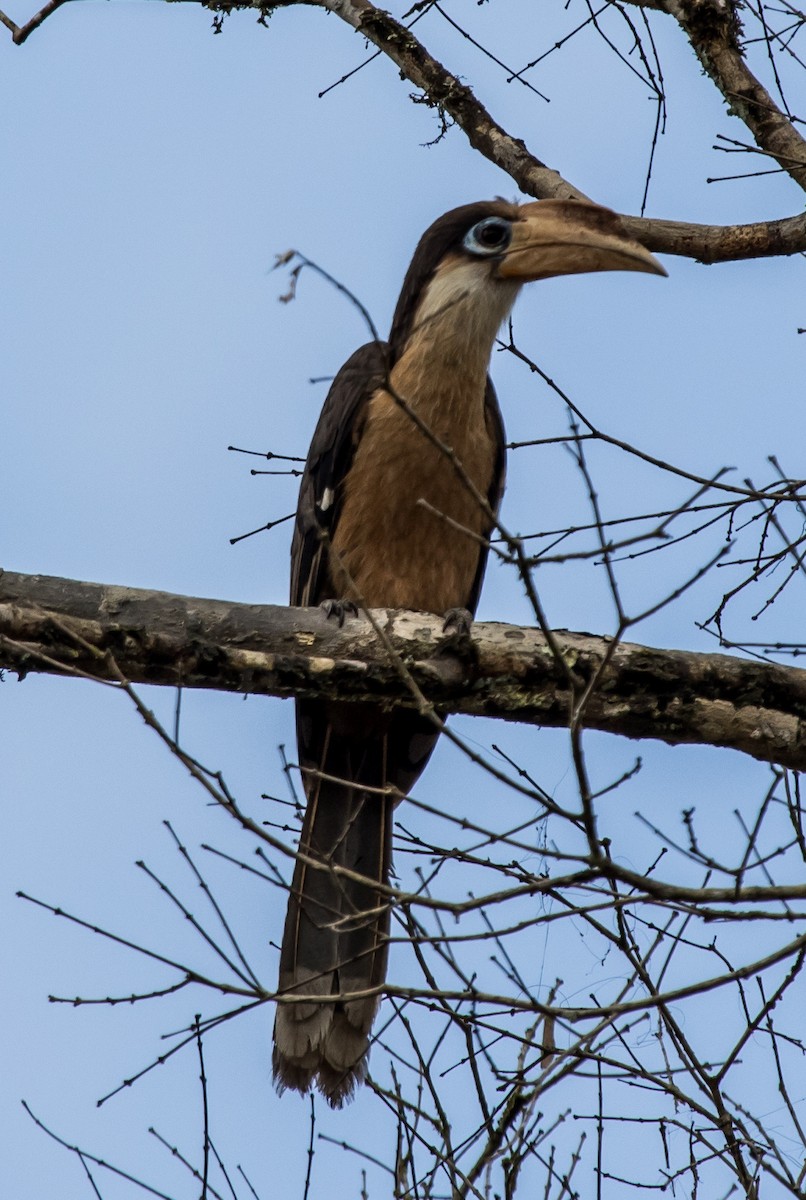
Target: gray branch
[{"x": 63, "y": 627}]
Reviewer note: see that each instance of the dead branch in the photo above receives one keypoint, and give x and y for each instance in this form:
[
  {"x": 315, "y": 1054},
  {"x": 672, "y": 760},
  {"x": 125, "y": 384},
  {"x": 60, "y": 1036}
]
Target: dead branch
[
  {"x": 711, "y": 29},
  {"x": 60, "y": 626},
  {"x": 714, "y": 31},
  {"x": 706, "y": 243}
]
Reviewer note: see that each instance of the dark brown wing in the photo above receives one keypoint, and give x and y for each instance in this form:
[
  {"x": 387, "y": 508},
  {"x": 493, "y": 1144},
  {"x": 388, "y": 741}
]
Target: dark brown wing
[
  {"x": 329, "y": 459},
  {"x": 336, "y": 929}
]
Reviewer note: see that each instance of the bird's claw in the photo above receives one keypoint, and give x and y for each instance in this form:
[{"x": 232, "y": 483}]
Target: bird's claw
[
  {"x": 458, "y": 622},
  {"x": 339, "y": 609}
]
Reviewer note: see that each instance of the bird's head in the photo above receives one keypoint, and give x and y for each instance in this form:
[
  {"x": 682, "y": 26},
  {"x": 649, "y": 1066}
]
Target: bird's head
[{"x": 479, "y": 255}]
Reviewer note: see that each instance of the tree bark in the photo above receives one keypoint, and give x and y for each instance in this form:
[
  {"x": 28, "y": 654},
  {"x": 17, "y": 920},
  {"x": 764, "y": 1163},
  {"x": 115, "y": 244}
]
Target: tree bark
[{"x": 60, "y": 626}]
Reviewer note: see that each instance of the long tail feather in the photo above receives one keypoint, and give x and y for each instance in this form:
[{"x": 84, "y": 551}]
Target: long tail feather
[{"x": 335, "y": 942}]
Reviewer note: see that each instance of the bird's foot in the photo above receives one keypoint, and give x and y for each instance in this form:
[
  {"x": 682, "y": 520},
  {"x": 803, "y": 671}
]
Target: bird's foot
[
  {"x": 457, "y": 643},
  {"x": 338, "y": 610},
  {"x": 458, "y": 622}
]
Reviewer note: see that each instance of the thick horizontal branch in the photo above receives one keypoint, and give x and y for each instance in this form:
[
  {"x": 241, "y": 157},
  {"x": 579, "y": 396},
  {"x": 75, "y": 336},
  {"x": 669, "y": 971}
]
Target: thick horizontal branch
[{"x": 61, "y": 626}]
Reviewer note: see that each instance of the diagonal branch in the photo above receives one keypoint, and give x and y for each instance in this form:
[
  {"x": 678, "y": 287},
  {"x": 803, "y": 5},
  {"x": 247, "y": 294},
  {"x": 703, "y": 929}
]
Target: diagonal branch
[
  {"x": 60, "y": 626},
  {"x": 450, "y": 95},
  {"x": 706, "y": 243},
  {"x": 21, "y": 33},
  {"x": 712, "y": 27}
]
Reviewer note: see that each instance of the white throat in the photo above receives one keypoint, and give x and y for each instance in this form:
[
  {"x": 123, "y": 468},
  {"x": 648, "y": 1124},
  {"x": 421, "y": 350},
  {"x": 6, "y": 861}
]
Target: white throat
[{"x": 461, "y": 311}]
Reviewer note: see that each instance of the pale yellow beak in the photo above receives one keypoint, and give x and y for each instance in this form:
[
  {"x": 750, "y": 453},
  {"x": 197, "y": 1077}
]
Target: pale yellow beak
[{"x": 569, "y": 237}]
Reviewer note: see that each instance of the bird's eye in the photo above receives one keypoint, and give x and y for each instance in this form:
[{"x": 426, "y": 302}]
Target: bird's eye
[{"x": 490, "y": 236}]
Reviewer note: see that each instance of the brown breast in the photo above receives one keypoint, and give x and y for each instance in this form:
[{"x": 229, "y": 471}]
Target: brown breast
[{"x": 398, "y": 553}]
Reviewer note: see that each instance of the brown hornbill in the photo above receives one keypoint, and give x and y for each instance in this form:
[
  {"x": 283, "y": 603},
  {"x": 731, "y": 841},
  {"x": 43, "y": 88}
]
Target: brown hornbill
[{"x": 362, "y": 538}]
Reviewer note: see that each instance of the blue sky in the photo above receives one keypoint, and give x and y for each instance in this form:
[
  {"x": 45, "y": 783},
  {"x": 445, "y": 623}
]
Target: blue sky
[{"x": 152, "y": 172}]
